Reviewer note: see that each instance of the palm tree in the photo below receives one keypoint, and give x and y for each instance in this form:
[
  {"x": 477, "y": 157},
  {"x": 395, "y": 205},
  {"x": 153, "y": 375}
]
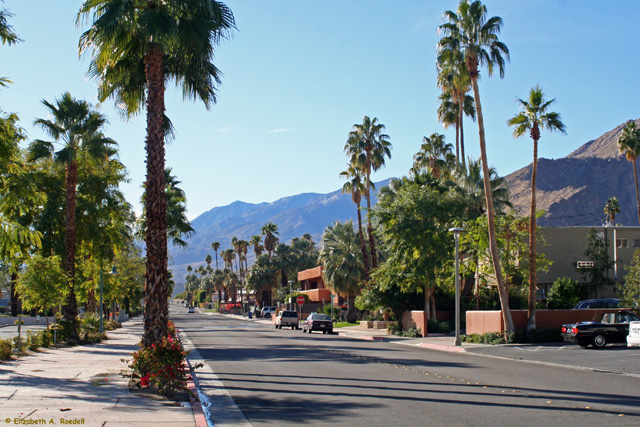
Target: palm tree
[
  {"x": 215, "y": 246},
  {"x": 7, "y": 35},
  {"x": 533, "y": 118},
  {"x": 629, "y": 144},
  {"x": 453, "y": 79},
  {"x": 435, "y": 155},
  {"x": 137, "y": 46},
  {"x": 367, "y": 148},
  {"x": 611, "y": 209},
  {"x": 256, "y": 242},
  {"x": 469, "y": 32},
  {"x": 77, "y": 127},
  {"x": 343, "y": 269},
  {"x": 355, "y": 186},
  {"x": 269, "y": 231},
  {"x": 470, "y": 183}
]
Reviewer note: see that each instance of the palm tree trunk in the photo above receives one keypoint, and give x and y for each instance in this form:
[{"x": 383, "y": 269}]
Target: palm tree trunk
[
  {"x": 493, "y": 243},
  {"x": 372, "y": 242},
  {"x": 155, "y": 286},
  {"x": 70, "y": 307},
  {"x": 458, "y": 139},
  {"x": 461, "y": 112},
  {"x": 533, "y": 281},
  {"x": 635, "y": 175},
  {"x": 363, "y": 249},
  {"x": 14, "y": 297}
]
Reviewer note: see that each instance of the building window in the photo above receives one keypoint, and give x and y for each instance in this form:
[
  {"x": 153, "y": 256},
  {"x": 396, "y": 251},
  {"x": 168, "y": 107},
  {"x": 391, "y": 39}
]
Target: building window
[
  {"x": 622, "y": 243},
  {"x": 636, "y": 243}
]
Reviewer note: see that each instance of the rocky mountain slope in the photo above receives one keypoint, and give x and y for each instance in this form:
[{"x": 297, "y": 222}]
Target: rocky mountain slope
[{"x": 573, "y": 190}]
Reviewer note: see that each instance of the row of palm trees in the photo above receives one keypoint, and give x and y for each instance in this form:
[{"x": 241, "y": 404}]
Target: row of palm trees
[{"x": 273, "y": 260}]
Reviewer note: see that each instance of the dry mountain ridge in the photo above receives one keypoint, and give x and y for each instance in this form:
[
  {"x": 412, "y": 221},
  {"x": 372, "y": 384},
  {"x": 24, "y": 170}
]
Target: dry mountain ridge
[{"x": 573, "y": 190}]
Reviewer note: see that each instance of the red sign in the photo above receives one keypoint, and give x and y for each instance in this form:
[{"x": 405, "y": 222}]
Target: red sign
[{"x": 300, "y": 300}]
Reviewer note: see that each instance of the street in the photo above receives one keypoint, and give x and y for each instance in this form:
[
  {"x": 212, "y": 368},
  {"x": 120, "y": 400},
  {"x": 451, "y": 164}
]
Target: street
[{"x": 286, "y": 377}]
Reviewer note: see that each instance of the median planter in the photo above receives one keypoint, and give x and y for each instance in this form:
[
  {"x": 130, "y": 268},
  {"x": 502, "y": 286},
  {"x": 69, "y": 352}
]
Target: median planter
[{"x": 366, "y": 324}]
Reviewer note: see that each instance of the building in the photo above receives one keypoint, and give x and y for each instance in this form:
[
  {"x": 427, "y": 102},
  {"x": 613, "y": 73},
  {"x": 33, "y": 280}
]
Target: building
[
  {"x": 566, "y": 246},
  {"x": 312, "y": 284}
]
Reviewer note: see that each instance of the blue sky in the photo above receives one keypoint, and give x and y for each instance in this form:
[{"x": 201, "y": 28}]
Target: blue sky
[{"x": 299, "y": 73}]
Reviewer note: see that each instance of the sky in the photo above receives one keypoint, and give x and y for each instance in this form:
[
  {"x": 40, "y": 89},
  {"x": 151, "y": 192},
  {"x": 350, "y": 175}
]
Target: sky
[{"x": 298, "y": 74}]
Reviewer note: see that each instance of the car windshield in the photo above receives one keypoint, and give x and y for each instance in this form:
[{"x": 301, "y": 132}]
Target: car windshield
[{"x": 321, "y": 317}]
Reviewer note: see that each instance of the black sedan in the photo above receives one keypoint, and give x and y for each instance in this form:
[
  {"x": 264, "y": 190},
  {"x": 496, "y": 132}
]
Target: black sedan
[
  {"x": 613, "y": 328},
  {"x": 318, "y": 322}
]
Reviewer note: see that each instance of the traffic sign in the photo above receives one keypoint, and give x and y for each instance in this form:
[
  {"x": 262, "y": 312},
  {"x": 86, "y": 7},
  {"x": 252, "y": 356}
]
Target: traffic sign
[{"x": 300, "y": 300}]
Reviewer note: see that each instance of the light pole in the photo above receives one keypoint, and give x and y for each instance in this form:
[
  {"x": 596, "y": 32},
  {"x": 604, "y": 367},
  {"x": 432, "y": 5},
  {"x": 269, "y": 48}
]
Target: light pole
[
  {"x": 456, "y": 235},
  {"x": 290, "y": 302},
  {"x": 113, "y": 271}
]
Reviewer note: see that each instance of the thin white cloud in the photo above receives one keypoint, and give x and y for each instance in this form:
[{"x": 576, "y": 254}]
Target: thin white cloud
[{"x": 281, "y": 130}]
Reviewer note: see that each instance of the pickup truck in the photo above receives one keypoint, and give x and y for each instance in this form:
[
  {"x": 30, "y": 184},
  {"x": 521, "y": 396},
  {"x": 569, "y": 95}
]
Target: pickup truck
[{"x": 612, "y": 328}]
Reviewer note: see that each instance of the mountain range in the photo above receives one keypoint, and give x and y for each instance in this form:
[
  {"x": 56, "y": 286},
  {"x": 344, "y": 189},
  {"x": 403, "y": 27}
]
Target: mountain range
[{"x": 572, "y": 190}]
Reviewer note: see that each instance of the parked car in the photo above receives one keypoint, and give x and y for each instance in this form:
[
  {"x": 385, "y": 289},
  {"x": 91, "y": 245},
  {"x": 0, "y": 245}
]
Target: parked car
[
  {"x": 267, "y": 312},
  {"x": 318, "y": 322},
  {"x": 598, "y": 303},
  {"x": 613, "y": 328},
  {"x": 191, "y": 310},
  {"x": 287, "y": 318},
  {"x": 633, "y": 339}
]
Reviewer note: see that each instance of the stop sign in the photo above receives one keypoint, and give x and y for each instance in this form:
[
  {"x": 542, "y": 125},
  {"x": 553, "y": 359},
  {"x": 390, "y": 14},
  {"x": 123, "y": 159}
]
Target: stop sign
[{"x": 300, "y": 300}]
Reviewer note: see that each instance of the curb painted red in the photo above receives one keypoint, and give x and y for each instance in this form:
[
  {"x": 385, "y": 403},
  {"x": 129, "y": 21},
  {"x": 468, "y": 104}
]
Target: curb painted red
[
  {"x": 442, "y": 347},
  {"x": 196, "y": 405}
]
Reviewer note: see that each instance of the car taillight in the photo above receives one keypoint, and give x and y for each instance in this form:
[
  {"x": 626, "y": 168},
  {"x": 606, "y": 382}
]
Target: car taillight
[
  {"x": 574, "y": 330},
  {"x": 564, "y": 329}
]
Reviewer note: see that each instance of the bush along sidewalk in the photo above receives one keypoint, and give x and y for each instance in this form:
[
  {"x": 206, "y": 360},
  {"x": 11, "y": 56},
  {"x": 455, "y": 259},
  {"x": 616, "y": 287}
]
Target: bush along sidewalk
[
  {"x": 162, "y": 367},
  {"x": 539, "y": 335},
  {"x": 89, "y": 333}
]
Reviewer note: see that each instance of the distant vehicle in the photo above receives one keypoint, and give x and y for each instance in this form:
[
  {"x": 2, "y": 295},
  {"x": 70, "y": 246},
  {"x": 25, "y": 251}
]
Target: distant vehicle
[
  {"x": 287, "y": 318},
  {"x": 267, "y": 312},
  {"x": 613, "y": 328},
  {"x": 191, "y": 310},
  {"x": 598, "y": 303},
  {"x": 318, "y": 322},
  {"x": 633, "y": 339}
]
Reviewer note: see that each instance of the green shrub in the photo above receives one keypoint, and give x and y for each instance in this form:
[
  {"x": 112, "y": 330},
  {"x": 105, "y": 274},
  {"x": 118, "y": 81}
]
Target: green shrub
[
  {"x": 5, "y": 349},
  {"x": 90, "y": 323},
  {"x": 336, "y": 311},
  {"x": 110, "y": 325},
  {"x": 492, "y": 338},
  {"x": 46, "y": 338},
  {"x": 566, "y": 293},
  {"x": 33, "y": 340},
  {"x": 412, "y": 333},
  {"x": 439, "y": 326}
]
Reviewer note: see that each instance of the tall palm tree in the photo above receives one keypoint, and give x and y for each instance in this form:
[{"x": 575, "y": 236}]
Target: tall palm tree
[
  {"x": 367, "y": 148},
  {"x": 355, "y": 186},
  {"x": 343, "y": 269},
  {"x": 136, "y": 47},
  {"x": 78, "y": 128},
  {"x": 611, "y": 209},
  {"x": 453, "y": 79},
  {"x": 269, "y": 231},
  {"x": 629, "y": 144},
  {"x": 215, "y": 246},
  {"x": 470, "y": 183},
  {"x": 256, "y": 242},
  {"x": 469, "y": 32},
  {"x": 435, "y": 155},
  {"x": 532, "y": 118}
]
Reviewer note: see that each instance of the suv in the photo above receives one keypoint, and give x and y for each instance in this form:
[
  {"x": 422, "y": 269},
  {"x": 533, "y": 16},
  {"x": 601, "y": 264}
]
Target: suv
[
  {"x": 598, "y": 303},
  {"x": 287, "y": 318},
  {"x": 267, "y": 312}
]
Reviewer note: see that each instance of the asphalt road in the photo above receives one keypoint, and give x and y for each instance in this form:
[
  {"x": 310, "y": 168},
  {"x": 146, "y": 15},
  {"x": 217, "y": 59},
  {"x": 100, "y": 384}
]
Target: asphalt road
[{"x": 286, "y": 377}]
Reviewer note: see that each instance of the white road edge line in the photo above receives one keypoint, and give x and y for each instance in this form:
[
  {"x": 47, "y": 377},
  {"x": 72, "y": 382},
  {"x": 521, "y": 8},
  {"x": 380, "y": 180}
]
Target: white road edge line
[{"x": 217, "y": 404}]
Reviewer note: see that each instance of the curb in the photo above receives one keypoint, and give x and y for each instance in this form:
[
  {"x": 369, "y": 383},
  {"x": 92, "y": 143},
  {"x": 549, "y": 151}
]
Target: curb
[
  {"x": 442, "y": 347},
  {"x": 196, "y": 405},
  {"x": 362, "y": 337}
]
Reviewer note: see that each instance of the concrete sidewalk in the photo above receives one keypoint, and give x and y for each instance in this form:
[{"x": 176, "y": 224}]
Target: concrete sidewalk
[{"x": 82, "y": 385}]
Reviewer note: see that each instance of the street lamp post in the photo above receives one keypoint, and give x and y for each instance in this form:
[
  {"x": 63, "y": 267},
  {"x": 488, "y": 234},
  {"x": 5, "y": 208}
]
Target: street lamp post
[
  {"x": 290, "y": 302},
  {"x": 456, "y": 234}
]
